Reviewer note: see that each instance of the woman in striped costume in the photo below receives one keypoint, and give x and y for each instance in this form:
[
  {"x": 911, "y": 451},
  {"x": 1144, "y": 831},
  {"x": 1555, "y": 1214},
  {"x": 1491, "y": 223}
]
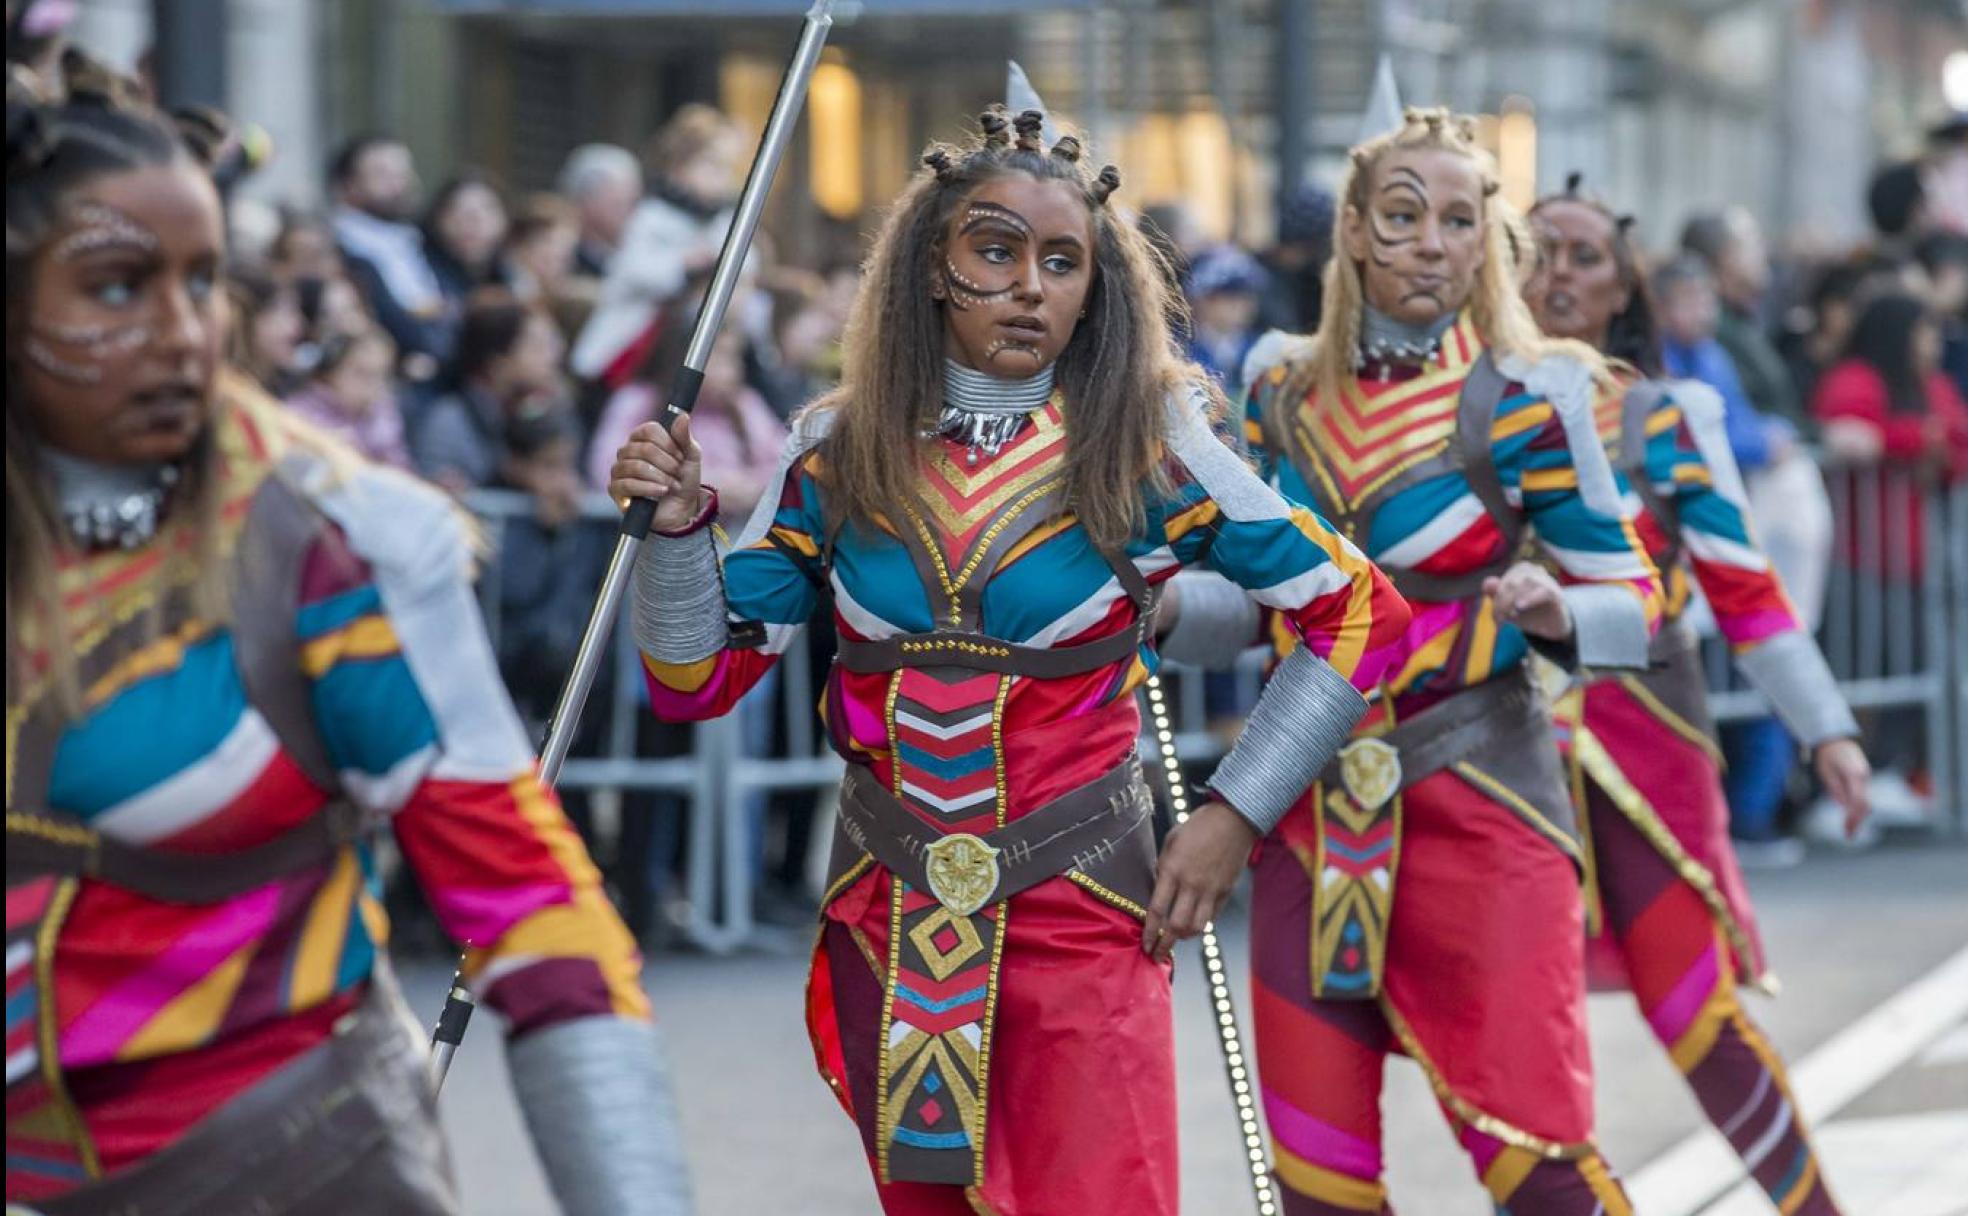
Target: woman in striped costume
[
  {"x": 1015, "y": 464},
  {"x": 232, "y": 649},
  {"x": 1421, "y": 896},
  {"x": 1677, "y": 928}
]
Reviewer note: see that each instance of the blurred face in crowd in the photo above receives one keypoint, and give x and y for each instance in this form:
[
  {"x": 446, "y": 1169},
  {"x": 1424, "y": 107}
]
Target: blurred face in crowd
[
  {"x": 533, "y": 364},
  {"x": 306, "y": 250},
  {"x": 276, "y": 330},
  {"x": 713, "y": 175},
  {"x": 1688, "y": 311},
  {"x": 606, "y": 205},
  {"x": 124, "y": 317},
  {"x": 1017, "y": 263},
  {"x": 1578, "y": 287},
  {"x": 361, "y": 381},
  {"x": 472, "y": 225},
  {"x": 724, "y": 370},
  {"x": 1742, "y": 274},
  {"x": 1418, "y": 237},
  {"x": 546, "y": 254},
  {"x": 806, "y": 335},
  {"x": 1949, "y": 287},
  {"x": 342, "y": 309},
  {"x": 1226, "y": 312},
  {"x": 1926, "y": 346},
  {"x": 383, "y": 182}
]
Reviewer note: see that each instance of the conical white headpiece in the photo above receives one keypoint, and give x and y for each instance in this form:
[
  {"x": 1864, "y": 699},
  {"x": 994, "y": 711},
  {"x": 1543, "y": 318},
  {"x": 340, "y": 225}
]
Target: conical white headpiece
[
  {"x": 1021, "y": 96},
  {"x": 1383, "y": 113}
]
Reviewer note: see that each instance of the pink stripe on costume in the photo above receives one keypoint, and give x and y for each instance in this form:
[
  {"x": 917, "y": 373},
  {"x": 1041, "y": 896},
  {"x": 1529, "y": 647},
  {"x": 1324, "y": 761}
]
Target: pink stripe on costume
[
  {"x": 1676, "y": 1011},
  {"x": 122, "y": 1011},
  {"x": 1749, "y": 628},
  {"x": 1319, "y": 1142},
  {"x": 668, "y": 702},
  {"x": 481, "y": 915},
  {"x": 1481, "y": 1147}
]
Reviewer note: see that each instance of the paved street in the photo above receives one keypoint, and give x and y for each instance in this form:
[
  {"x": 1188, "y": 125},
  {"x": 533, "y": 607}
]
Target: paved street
[{"x": 1847, "y": 934}]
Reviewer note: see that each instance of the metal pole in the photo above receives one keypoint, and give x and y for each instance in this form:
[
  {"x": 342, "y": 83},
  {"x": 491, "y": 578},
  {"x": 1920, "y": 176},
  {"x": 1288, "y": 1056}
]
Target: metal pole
[
  {"x": 642, "y": 512},
  {"x": 683, "y": 393},
  {"x": 1223, "y": 1005},
  {"x": 1295, "y": 97},
  {"x": 191, "y": 52}
]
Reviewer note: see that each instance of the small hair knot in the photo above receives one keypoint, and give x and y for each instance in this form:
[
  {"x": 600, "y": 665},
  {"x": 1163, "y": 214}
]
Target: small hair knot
[
  {"x": 1067, "y": 148},
  {"x": 1108, "y": 181}
]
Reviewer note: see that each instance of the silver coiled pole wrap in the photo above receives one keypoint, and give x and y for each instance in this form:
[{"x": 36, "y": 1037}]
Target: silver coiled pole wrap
[{"x": 1223, "y": 1007}]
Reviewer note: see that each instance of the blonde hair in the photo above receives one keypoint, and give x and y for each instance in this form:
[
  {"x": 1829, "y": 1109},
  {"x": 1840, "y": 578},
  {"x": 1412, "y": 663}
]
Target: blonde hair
[{"x": 1501, "y": 317}]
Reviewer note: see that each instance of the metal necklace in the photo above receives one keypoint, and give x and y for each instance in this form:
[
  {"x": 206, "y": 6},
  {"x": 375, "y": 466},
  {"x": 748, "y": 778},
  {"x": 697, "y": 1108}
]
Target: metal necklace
[
  {"x": 1385, "y": 340},
  {"x": 983, "y": 412},
  {"x": 110, "y": 506}
]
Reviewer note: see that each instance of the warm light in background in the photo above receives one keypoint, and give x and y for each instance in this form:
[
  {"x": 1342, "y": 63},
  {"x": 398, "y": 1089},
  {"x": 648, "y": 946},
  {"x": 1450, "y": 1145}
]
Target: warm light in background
[
  {"x": 1517, "y": 151},
  {"x": 833, "y": 107},
  {"x": 1954, "y": 80},
  {"x": 1205, "y": 162},
  {"x": 746, "y": 86}
]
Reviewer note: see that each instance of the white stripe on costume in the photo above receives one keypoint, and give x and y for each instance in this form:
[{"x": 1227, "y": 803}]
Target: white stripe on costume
[
  {"x": 1301, "y": 589},
  {"x": 198, "y": 790},
  {"x": 1590, "y": 564},
  {"x": 1708, "y": 547},
  {"x": 858, "y": 618},
  {"x": 1435, "y": 535}
]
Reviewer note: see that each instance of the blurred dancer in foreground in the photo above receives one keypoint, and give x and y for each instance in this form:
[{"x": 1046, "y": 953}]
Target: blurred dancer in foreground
[
  {"x": 234, "y": 648},
  {"x": 1014, "y": 465}
]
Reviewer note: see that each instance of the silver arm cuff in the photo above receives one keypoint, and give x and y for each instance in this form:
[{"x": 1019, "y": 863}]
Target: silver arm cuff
[
  {"x": 1305, "y": 715},
  {"x": 1215, "y": 621},
  {"x": 679, "y": 612},
  {"x": 1609, "y": 629},
  {"x": 1790, "y": 671},
  {"x": 596, "y": 1094}
]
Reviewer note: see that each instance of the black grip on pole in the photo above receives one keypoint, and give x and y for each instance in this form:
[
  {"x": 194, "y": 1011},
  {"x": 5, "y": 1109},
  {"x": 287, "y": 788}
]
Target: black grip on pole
[
  {"x": 641, "y": 512},
  {"x": 458, "y": 1006}
]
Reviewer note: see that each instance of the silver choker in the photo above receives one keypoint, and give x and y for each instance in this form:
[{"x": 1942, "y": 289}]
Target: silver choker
[
  {"x": 1386, "y": 340},
  {"x": 983, "y": 412},
  {"x": 110, "y": 506}
]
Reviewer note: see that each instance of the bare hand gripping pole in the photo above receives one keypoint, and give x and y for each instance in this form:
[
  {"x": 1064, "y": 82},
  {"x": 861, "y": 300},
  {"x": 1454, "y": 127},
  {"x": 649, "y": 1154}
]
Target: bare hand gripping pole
[{"x": 683, "y": 398}]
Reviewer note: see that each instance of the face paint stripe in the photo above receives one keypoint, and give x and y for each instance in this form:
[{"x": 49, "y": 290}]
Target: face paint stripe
[{"x": 980, "y": 213}]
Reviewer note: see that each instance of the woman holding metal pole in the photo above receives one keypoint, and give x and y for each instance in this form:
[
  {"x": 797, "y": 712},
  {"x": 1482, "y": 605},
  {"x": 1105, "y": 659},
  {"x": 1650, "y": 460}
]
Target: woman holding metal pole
[
  {"x": 1674, "y": 915},
  {"x": 1015, "y": 463},
  {"x": 1421, "y": 896},
  {"x": 233, "y": 649}
]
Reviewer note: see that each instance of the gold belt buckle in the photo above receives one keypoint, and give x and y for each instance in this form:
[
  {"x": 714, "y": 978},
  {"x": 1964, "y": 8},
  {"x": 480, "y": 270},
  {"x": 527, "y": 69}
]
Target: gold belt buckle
[
  {"x": 962, "y": 872},
  {"x": 1371, "y": 771}
]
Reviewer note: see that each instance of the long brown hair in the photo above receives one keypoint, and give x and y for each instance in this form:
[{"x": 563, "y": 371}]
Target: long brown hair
[
  {"x": 1114, "y": 374},
  {"x": 1502, "y": 319},
  {"x": 53, "y": 149}
]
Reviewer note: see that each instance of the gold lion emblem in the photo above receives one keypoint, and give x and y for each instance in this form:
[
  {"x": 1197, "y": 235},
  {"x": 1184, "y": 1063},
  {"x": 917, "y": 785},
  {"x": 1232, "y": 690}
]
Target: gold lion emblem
[
  {"x": 1371, "y": 771},
  {"x": 963, "y": 872}
]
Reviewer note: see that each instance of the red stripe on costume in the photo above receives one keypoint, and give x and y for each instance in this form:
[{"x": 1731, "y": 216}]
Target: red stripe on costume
[
  {"x": 280, "y": 798},
  {"x": 948, "y": 698}
]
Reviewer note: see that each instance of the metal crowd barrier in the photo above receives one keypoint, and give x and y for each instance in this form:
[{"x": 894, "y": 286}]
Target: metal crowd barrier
[{"x": 1896, "y": 637}]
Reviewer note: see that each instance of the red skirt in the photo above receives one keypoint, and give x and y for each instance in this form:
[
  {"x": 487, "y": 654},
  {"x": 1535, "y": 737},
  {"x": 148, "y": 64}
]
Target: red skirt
[{"x": 1080, "y": 1105}]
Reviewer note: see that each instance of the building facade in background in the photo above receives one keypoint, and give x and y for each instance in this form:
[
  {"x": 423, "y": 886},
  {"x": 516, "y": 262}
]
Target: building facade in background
[{"x": 1665, "y": 105}]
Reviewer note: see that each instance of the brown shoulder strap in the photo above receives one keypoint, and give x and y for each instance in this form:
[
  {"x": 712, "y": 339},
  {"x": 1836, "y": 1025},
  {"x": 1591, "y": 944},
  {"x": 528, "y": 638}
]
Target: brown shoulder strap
[
  {"x": 1482, "y": 392},
  {"x": 1642, "y": 398},
  {"x": 281, "y": 528}
]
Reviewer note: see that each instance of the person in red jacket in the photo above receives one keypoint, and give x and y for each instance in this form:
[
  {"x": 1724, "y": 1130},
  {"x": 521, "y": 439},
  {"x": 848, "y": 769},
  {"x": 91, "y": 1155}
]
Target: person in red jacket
[{"x": 1887, "y": 402}]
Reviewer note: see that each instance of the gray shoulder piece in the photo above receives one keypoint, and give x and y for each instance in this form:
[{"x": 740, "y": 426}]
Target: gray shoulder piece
[
  {"x": 1609, "y": 626},
  {"x": 1224, "y": 476},
  {"x": 1277, "y": 346},
  {"x": 1702, "y": 409},
  {"x": 809, "y": 428},
  {"x": 1567, "y": 385}
]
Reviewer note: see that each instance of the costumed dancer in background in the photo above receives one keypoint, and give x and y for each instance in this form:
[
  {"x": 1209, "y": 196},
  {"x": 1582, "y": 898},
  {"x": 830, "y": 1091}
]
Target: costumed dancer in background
[
  {"x": 1015, "y": 462},
  {"x": 232, "y": 646},
  {"x": 1423, "y": 895},
  {"x": 1677, "y": 924}
]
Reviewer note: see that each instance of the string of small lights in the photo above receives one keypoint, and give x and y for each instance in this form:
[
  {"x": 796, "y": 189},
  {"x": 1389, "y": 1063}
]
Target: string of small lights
[{"x": 1231, "y": 1038}]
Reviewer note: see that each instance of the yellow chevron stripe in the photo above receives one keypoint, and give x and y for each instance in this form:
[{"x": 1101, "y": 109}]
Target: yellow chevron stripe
[{"x": 365, "y": 637}]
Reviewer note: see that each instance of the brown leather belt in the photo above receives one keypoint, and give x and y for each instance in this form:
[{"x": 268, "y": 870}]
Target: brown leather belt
[
  {"x": 1500, "y": 717},
  {"x": 1101, "y": 830},
  {"x": 39, "y": 844}
]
